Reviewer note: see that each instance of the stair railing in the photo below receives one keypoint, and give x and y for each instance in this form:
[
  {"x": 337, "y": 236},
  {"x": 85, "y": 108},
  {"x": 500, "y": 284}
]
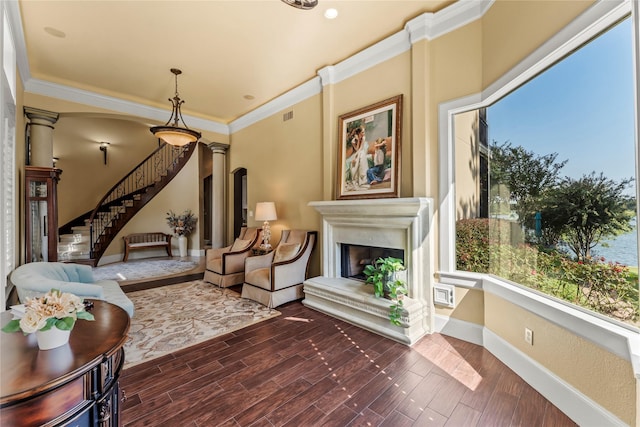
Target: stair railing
[{"x": 149, "y": 172}]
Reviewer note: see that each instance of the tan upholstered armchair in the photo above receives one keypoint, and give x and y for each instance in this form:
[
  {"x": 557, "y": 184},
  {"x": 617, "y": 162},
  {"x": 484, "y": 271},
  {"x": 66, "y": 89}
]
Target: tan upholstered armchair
[
  {"x": 225, "y": 266},
  {"x": 276, "y": 278}
]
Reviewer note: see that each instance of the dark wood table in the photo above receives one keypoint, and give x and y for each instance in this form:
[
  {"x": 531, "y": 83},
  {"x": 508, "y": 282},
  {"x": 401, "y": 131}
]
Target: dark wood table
[{"x": 76, "y": 384}]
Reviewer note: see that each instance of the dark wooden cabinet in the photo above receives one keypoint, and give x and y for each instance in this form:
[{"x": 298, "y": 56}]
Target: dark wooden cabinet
[
  {"x": 73, "y": 385},
  {"x": 41, "y": 210}
]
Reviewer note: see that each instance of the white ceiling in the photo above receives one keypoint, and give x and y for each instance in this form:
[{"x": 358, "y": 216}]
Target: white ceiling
[{"x": 226, "y": 49}]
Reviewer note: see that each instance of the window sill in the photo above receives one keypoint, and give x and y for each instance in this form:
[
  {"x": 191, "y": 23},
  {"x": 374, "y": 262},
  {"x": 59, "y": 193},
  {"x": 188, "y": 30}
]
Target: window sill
[{"x": 616, "y": 337}]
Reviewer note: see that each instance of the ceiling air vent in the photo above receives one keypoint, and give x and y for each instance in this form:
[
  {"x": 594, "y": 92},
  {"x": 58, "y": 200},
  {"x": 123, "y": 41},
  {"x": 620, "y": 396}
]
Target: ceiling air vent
[{"x": 287, "y": 116}]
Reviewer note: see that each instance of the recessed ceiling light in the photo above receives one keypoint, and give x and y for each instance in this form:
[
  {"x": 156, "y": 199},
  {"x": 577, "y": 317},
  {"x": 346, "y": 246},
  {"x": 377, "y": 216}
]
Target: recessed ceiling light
[
  {"x": 249, "y": 97},
  {"x": 54, "y": 32},
  {"x": 331, "y": 13}
]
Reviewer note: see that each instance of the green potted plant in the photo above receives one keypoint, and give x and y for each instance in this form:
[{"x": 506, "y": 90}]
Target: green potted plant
[{"x": 384, "y": 275}]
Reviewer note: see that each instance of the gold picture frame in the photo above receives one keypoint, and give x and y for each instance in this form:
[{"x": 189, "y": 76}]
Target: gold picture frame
[{"x": 369, "y": 151}]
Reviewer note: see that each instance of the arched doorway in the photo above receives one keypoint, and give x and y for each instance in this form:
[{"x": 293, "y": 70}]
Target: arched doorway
[{"x": 239, "y": 200}]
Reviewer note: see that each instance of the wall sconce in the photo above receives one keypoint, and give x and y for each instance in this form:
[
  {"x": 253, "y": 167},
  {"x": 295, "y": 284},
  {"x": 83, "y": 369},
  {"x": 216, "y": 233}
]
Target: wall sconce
[
  {"x": 54, "y": 161},
  {"x": 103, "y": 148},
  {"x": 266, "y": 211}
]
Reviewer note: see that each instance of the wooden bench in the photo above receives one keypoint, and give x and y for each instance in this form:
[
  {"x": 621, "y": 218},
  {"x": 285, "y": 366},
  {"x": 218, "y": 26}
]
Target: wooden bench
[{"x": 145, "y": 241}]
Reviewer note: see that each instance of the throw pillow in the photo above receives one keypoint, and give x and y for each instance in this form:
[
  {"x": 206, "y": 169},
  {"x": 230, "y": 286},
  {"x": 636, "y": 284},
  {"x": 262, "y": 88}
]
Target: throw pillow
[
  {"x": 286, "y": 251},
  {"x": 239, "y": 245}
]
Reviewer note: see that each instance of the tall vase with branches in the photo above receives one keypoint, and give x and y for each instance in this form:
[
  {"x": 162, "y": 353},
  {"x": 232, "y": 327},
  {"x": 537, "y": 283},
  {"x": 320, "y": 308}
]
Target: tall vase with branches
[{"x": 182, "y": 226}]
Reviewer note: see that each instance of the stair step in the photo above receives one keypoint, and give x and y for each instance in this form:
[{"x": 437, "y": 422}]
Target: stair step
[
  {"x": 112, "y": 215},
  {"x": 74, "y": 238},
  {"x": 68, "y": 256},
  {"x": 72, "y": 247}
]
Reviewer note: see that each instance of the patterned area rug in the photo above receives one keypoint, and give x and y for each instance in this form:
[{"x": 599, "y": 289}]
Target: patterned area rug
[
  {"x": 135, "y": 270},
  {"x": 173, "y": 317}
]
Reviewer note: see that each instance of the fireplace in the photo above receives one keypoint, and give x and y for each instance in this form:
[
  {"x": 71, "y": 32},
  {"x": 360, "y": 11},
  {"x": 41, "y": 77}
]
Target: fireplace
[
  {"x": 355, "y": 231},
  {"x": 354, "y": 258}
]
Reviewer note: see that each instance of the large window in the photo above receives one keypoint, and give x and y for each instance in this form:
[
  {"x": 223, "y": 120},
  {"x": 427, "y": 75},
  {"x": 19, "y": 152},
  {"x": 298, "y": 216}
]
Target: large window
[{"x": 558, "y": 211}]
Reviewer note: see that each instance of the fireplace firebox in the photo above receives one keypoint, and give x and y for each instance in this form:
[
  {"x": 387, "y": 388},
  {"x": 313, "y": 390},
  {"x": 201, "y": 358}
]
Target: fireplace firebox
[{"x": 354, "y": 258}]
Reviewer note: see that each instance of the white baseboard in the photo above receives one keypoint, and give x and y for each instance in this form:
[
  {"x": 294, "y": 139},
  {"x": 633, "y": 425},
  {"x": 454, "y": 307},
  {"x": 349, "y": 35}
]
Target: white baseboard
[
  {"x": 466, "y": 331},
  {"x": 148, "y": 254},
  {"x": 581, "y": 409},
  {"x": 110, "y": 259},
  {"x": 584, "y": 411}
]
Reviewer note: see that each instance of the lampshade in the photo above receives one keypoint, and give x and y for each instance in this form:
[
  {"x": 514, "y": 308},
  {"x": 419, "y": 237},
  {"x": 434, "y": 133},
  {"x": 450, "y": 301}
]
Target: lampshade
[
  {"x": 174, "y": 134},
  {"x": 266, "y": 211}
]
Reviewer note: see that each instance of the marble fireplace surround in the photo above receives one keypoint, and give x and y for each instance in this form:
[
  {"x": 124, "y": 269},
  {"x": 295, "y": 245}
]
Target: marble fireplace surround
[{"x": 403, "y": 223}]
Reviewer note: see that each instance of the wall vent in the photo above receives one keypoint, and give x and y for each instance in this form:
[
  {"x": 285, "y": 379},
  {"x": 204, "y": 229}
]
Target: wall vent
[
  {"x": 287, "y": 116},
  {"x": 444, "y": 295}
]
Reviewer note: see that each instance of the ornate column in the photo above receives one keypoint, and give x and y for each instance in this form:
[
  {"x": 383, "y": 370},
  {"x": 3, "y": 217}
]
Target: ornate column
[
  {"x": 218, "y": 187},
  {"x": 41, "y": 136}
]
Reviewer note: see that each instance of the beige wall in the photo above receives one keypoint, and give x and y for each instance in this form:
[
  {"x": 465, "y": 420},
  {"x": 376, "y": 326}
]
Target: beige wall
[
  {"x": 283, "y": 162},
  {"x": 85, "y": 178},
  {"x": 383, "y": 81},
  {"x": 600, "y": 375},
  {"x": 469, "y": 306}
]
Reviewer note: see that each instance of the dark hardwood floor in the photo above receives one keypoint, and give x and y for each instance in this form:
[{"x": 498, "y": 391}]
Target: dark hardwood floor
[{"x": 307, "y": 369}]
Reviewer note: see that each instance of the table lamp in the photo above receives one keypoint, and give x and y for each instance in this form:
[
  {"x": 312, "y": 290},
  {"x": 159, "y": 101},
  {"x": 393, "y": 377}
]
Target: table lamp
[{"x": 266, "y": 211}]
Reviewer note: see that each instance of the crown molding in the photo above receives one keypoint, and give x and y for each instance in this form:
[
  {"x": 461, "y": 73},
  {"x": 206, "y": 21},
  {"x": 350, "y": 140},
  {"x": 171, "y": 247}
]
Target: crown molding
[
  {"x": 427, "y": 26},
  {"x": 367, "y": 58},
  {"x": 430, "y": 26},
  {"x": 286, "y": 100},
  {"x": 94, "y": 99},
  {"x": 17, "y": 31}
]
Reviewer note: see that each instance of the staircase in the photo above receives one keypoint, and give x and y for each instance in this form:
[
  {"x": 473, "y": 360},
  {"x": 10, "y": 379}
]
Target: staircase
[{"x": 86, "y": 238}]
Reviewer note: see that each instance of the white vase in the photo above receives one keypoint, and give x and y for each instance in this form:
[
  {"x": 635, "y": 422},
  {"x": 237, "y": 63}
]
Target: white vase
[
  {"x": 52, "y": 338},
  {"x": 182, "y": 246}
]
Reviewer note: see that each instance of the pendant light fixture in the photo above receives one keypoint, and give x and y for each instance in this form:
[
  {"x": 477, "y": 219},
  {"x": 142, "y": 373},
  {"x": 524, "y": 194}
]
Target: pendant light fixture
[
  {"x": 173, "y": 134},
  {"x": 302, "y": 4}
]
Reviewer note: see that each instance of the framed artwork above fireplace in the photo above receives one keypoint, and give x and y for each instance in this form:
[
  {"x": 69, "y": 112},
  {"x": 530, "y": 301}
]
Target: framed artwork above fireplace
[{"x": 369, "y": 151}]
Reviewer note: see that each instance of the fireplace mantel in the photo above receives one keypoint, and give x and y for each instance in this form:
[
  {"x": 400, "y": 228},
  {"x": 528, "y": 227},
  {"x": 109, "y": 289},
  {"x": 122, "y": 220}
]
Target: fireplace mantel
[{"x": 402, "y": 223}]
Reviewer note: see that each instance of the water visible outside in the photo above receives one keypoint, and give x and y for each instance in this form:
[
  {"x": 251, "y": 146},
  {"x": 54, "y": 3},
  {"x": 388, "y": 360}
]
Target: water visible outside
[{"x": 623, "y": 249}]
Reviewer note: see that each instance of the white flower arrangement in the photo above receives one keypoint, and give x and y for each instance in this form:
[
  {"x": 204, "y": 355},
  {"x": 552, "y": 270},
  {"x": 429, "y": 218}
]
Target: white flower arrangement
[{"x": 53, "y": 309}]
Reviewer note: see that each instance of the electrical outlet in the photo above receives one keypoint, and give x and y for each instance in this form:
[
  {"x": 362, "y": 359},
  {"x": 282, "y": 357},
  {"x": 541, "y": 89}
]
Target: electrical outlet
[{"x": 528, "y": 336}]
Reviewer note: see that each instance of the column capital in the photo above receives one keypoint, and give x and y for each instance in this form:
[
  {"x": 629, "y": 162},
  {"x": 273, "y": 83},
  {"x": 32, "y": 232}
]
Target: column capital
[
  {"x": 41, "y": 117},
  {"x": 218, "y": 147}
]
